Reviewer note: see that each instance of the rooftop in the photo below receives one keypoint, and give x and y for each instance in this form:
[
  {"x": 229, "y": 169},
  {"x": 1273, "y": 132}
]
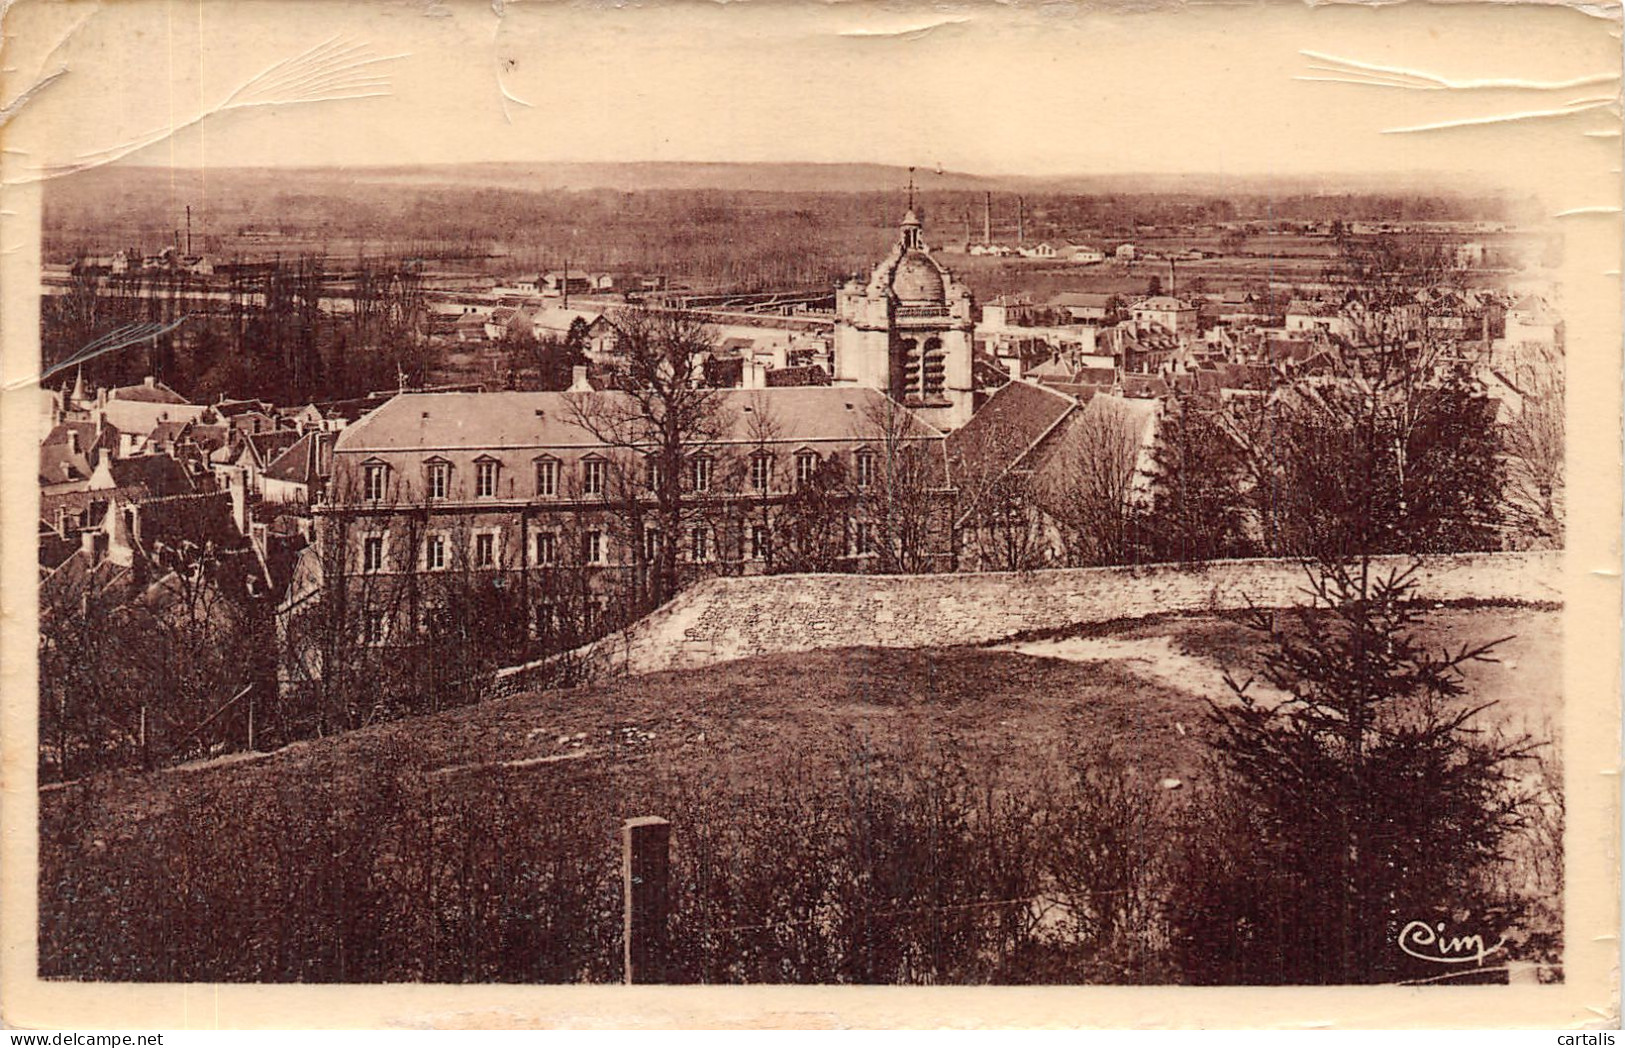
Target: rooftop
[{"x": 435, "y": 421}]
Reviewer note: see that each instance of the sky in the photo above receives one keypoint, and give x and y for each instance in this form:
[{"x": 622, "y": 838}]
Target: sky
[{"x": 1043, "y": 89}]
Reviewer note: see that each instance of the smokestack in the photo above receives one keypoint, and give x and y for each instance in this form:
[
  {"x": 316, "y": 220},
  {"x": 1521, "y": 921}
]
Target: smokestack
[
  {"x": 987, "y": 219},
  {"x": 189, "y": 230},
  {"x": 1021, "y": 221}
]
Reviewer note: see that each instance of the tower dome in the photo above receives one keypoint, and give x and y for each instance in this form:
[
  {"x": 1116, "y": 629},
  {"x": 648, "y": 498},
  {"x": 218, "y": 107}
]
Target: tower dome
[{"x": 917, "y": 281}]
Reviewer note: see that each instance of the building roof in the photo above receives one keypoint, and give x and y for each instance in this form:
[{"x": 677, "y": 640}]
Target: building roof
[
  {"x": 1081, "y": 392},
  {"x": 167, "y": 432},
  {"x": 58, "y": 465},
  {"x": 149, "y": 392},
  {"x": 1081, "y": 300},
  {"x": 433, "y": 421},
  {"x": 301, "y": 462},
  {"x": 1013, "y": 420},
  {"x": 208, "y": 438},
  {"x": 73, "y": 503},
  {"x": 201, "y": 519},
  {"x": 152, "y": 475},
  {"x": 235, "y": 408},
  {"x": 267, "y": 446},
  {"x": 1144, "y": 386},
  {"x": 917, "y": 280},
  {"x": 1163, "y": 303}
]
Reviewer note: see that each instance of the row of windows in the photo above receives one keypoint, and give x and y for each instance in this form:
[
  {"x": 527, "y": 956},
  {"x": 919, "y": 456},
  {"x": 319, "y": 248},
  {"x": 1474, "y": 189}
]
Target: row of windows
[
  {"x": 594, "y": 547},
  {"x": 594, "y": 475},
  {"x": 436, "y": 619}
]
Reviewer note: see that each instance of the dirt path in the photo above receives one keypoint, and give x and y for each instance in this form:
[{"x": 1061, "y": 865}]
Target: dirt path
[{"x": 1154, "y": 658}]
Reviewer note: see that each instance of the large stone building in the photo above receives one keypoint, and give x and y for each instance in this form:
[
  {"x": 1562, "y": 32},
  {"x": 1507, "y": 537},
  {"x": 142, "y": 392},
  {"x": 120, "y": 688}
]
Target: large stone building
[
  {"x": 437, "y": 497},
  {"x": 907, "y": 332}
]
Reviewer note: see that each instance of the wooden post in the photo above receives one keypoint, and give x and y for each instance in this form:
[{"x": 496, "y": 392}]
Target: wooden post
[{"x": 646, "y": 875}]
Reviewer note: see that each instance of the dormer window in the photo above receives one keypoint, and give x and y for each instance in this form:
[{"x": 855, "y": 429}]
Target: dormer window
[
  {"x": 438, "y": 478},
  {"x": 592, "y": 476},
  {"x": 866, "y": 467},
  {"x": 547, "y": 477},
  {"x": 373, "y": 478},
  {"x": 806, "y": 467},
  {"x": 761, "y": 472},
  {"x": 485, "y": 477},
  {"x": 700, "y": 470}
]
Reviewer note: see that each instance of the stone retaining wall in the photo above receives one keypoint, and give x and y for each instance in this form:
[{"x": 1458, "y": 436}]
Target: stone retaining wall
[{"x": 732, "y": 618}]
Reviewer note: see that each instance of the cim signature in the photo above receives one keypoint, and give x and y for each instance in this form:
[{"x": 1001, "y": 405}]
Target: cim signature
[{"x": 1428, "y": 942}]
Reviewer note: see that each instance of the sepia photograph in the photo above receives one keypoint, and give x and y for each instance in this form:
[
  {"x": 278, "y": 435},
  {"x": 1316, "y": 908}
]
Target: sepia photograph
[{"x": 842, "y": 496}]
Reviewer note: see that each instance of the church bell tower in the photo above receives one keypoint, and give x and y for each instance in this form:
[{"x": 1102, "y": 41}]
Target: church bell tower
[{"x": 907, "y": 331}]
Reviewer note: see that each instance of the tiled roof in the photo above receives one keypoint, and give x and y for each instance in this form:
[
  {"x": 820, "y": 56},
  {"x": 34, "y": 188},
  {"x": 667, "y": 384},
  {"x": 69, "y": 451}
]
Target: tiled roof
[
  {"x": 299, "y": 463},
  {"x": 58, "y": 465},
  {"x": 267, "y": 446},
  {"x": 73, "y": 503},
  {"x": 1005, "y": 428},
  {"x": 157, "y": 475}
]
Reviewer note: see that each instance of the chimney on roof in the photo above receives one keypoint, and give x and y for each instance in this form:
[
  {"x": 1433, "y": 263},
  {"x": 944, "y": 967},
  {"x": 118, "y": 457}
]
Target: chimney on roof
[
  {"x": 148, "y": 381},
  {"x": 238, "y": 482},
  {"x": 755, "y": 376},
  {"x": 578, "y": 380},
  {"x": 1013, "y": 364},
  {"x": 73, "y": 442}
]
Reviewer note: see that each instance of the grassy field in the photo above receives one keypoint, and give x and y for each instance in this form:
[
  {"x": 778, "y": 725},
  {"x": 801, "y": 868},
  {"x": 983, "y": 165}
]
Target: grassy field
[{"x": 426, "y": 848}]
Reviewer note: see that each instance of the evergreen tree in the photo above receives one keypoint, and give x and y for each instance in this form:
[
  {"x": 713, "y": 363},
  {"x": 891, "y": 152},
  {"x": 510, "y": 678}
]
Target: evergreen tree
[
  {"x": 1197, "y": 511},
  {"x": 1367, "y": 794}
]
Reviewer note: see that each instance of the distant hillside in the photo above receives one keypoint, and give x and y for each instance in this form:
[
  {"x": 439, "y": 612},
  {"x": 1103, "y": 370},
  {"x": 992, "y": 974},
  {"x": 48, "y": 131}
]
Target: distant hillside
[
  {"x": 737, "y": 177},
  {"x": 742, "y": 226}
]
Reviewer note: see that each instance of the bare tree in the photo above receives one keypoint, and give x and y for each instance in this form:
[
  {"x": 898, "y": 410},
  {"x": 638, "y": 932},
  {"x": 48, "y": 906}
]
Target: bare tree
[
  {"x": 1000, "y": 527},
  {"x": 1533, "y": 442},
  {"x": 658, "y": 413},
  {"x": 1090, "y": 484},
  {"x": 906, "y": 498}
]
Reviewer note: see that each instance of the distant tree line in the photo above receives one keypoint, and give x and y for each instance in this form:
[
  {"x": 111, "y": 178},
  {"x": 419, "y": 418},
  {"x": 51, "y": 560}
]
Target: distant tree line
[{"x": 288, "y": 333}]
